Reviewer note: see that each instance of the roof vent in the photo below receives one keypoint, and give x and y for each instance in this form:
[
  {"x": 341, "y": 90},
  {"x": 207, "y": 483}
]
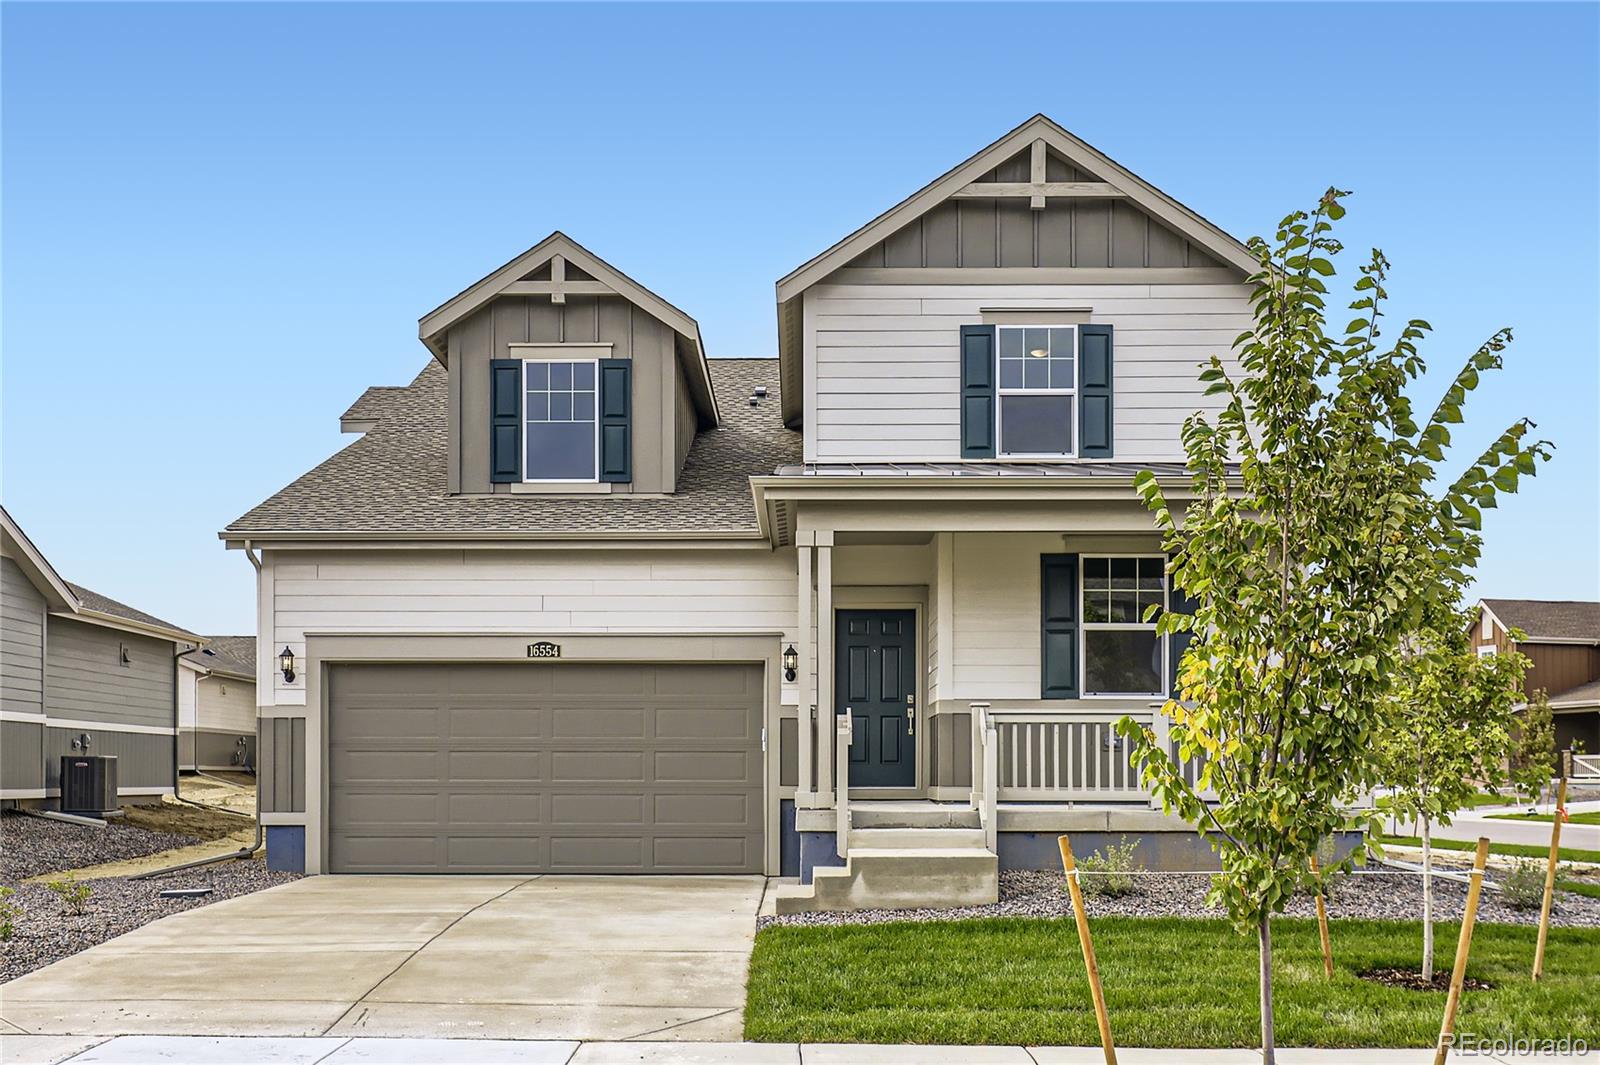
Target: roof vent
[{"x": 761, "y": 391}]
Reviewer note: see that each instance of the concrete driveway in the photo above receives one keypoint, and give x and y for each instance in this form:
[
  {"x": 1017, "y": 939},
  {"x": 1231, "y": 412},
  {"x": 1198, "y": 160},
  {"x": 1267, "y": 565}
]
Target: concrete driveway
[{"x": 492, "y": 957}]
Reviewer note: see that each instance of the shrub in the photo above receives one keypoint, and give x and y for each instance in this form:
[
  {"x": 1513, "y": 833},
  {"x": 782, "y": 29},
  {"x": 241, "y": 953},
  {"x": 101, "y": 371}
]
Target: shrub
[
  {"x": 1522, "y": 888},
  {"x": 9, "y": 912},
  {"x": 74, "y": 895},
  {"x": 1109, "y": 873}
]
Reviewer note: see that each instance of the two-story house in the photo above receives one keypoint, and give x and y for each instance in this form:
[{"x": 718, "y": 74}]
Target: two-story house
[
  {"x": 582, "y": 599},
  {"x": 1561, "y": 639}
]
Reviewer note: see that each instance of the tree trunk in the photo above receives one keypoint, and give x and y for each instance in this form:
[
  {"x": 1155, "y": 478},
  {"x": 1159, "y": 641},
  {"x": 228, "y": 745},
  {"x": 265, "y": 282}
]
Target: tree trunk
[
  {"x": 1427, "y": 897},
  {"x": 1268, "y": 1048}
]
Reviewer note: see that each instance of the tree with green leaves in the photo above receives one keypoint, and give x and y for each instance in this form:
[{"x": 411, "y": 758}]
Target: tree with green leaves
[
  {"x": 1449, "y": 726},
  {"x": 1533, "y": 753},
  {"x": 1311, "y": 544}
]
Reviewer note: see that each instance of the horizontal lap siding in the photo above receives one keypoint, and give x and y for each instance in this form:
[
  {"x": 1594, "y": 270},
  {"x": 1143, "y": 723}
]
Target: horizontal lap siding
[
  {"x": 537, "y": 592},
  {"x": 21, "y": 642},
  {"x": 87, "y": 681},
  {"x": 227, "y": 704},
  {"x": 996, "y": 615},
  {"x": 888, "y": 375}
]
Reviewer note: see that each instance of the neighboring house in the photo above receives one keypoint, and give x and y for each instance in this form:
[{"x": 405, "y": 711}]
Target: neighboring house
[
  {"x": 1561, "y": 639},
  {"x": 541, "y": 612},
  {"x": 81, "y": 674},
  {"x": 217, "y": 705}
]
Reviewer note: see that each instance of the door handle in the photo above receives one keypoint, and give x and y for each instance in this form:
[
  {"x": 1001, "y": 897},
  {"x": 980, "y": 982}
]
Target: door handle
[{"x": 911, "y": 715}]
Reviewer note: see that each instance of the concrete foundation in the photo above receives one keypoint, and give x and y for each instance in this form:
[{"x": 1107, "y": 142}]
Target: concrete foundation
[{"x": 286, "y": 848}]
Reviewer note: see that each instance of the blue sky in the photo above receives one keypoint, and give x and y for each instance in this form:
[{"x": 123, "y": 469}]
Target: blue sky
[{"x": 221, "y": 222}]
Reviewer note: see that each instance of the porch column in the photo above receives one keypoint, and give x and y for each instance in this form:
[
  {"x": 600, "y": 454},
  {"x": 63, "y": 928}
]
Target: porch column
[
  {"x": 824, "y": 697},
  {"x": 804, "y": 547}
]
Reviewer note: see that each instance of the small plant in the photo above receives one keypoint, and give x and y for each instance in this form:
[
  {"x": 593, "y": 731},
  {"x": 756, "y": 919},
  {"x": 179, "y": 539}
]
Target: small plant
[
  {"x": 1523, "y": 885},
  {"x": 1110, "y": 873},
  {"x": 9, "y": 912},
  {"x": 74, "y": 894}
]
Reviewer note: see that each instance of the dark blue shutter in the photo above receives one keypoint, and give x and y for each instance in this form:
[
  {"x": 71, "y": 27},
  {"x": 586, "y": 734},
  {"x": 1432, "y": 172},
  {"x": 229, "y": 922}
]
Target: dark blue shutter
[
  {"x": 1094, "y": 391},
  {"x": 1058, "y": 615},
  {"x": 977, "y": 392},
  {"x": 616, "y": 420},
  {"x": 1179, "y": 603},
  {"x": 505, "y": 420}
]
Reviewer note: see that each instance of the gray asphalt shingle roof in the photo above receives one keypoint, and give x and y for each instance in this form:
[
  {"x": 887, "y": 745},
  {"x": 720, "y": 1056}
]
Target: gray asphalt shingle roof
[
  {"x": 393, "y": 479},
  {"x": 104, "y": 604},
  {"x": 1549, "y": 619},
  {"x": 231, "y": 654}
]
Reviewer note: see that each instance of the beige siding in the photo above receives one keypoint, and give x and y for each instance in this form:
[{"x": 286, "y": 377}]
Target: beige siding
[
  {"x": 887, "y": 361},
  {"x": 86, "y": 680},
  {"x": 684, "y": 420},
  {"x": 539, "y": 593},
  {"x": 227, "y": 704},
  {"x": 22, "y": 613}
]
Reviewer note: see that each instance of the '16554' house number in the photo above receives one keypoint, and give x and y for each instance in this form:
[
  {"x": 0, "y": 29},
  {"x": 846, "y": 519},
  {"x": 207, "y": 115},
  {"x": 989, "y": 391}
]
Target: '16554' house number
[{"x": 544, "y": 649}]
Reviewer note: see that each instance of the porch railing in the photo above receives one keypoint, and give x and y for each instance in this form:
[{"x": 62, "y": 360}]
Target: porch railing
[
  {"x": 844, "y": 731},
  {"x": 1585, "y": 767},
  {"x": 986, "y": 774}
]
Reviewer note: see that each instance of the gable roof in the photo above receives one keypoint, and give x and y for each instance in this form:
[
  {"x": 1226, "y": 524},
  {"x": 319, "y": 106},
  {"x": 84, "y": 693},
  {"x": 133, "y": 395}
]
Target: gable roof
[
  {"x": 1123, "y": 182},
  {"x": 512, "y": 279},
  {"x": 1584, "y": 695},
  {"x": 1562, "y": 620},
  {"x": 97, "y": 607},
  {"x": 40, "y": 573},
  {"x": 232, "y": 655},
  {"x": 391, "y": 482},
  {"x": 368, "y": 408}
]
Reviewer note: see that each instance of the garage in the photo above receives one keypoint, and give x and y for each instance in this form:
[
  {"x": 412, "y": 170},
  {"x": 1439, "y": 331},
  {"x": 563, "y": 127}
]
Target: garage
[{"x": 545, "y": 767}]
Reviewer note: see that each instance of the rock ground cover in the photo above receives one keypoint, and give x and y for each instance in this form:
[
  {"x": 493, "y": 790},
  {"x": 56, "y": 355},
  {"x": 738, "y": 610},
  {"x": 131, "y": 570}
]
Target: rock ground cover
[{"x": 33, "y": 846}]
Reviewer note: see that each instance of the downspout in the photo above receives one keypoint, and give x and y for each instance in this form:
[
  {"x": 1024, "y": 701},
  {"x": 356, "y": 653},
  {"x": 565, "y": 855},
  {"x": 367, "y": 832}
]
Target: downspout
[{"x": 243, "y": 852}]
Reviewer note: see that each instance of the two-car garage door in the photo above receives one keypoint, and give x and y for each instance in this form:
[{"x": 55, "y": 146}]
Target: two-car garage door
[{"x": 545, "y": 767}]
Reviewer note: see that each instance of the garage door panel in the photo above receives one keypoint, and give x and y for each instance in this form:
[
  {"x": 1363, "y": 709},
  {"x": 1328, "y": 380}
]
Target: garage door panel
[{"x": 548, "y": 767}]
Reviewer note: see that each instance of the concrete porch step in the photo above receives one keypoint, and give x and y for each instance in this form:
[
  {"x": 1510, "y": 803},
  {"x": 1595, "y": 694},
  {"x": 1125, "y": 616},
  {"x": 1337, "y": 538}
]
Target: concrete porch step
[
  {"x": 911, "y": 814},
  {"x": 901, "y": 877},
  {"x": 885, "y": 838}
]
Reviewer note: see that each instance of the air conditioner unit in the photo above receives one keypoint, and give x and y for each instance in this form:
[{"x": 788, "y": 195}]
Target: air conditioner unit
[{"x": 88, "y": 784}]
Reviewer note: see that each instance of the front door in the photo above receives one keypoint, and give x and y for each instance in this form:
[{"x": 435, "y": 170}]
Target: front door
[{"x": 877, "y": 683}]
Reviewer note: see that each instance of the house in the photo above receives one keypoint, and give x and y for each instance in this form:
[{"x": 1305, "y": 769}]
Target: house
[
  {"x": 217, "y": 705},
  {"x": 581, "y": 599},
  {"x": 1561, "y": 639},
  {"x": 81, "y": 673}
]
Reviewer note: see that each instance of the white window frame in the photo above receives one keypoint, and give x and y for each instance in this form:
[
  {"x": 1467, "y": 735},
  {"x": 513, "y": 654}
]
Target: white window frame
[
  {"x": 522, "y": 405},
  {"x": 1000, "y": 393},
  {"x": 1085, "y": 626},
  {"x": 1485, "y": 650}
]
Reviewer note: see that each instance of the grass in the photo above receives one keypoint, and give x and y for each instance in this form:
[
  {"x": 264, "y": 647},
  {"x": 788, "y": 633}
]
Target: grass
[
  {"x": 1169, "y": 982},
  {"x": 1589, "y": 817},
  {"x": 1482, "y": 798},
  {"x": 1587, "y": 888},
  {"x": 1505, "y": 850}
]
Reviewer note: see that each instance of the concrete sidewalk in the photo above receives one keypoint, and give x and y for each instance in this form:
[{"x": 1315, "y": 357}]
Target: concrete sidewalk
[{"x": 148, "y": 1050}]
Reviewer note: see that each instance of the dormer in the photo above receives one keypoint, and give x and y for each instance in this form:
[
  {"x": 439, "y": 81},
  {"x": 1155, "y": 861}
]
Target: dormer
[{"x": 568, "y": 377}]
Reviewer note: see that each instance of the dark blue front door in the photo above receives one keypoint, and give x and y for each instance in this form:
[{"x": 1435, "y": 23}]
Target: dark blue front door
[{"x": 875, "y": 651}]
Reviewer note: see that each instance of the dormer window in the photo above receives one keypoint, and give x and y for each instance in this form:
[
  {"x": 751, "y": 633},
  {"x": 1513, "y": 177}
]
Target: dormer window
[
  {"x": 1038, "y": 394},
  {"x": 561, "y": 432}
]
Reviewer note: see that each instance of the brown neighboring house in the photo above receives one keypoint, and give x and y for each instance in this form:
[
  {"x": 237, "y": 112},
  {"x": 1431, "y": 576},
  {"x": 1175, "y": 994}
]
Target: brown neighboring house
[{"x": 1562, "y": 641}]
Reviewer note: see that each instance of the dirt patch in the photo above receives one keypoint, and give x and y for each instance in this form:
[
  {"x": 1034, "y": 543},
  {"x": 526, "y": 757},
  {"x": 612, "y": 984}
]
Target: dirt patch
[
  {"x": 229, "y": 791},
  {"x": 1412, "y": 980},
  {"x": 184, "y": 819}
]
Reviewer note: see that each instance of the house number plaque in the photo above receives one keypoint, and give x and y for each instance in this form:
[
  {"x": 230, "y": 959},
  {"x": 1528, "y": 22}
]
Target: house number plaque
[{"x": 544, "y": 649}]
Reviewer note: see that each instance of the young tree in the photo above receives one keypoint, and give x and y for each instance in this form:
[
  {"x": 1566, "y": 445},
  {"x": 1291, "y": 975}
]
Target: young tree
[
  {"x": 1310, "y": 547},
  {"x": 1533, "y": 753},
  {"x": 1448, "y": 731}
]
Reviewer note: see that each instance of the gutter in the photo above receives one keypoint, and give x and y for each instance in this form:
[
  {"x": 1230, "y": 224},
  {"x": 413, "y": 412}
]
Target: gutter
[{"x": 260, "y": 839}]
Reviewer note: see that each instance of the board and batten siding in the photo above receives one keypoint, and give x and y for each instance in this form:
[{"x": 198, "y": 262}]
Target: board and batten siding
[
  {"x": 22, "y": 614},
  {"x": 537, "y": 593},
  {"x": 886, "y": 361},
  {"x": 86, "y": 679}
]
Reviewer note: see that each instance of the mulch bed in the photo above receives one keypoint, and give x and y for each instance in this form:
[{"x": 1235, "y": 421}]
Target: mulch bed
[
  {"x": 1412, "y": 980},
  {"x": 46, "y": 932},
  {"x": 31, "y": 846},
  {"x": 1372, "y": 896}
]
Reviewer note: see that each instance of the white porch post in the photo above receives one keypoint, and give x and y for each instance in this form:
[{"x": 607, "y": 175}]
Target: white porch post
[
  {"x": 824, "y": 697},
  {"x": 804, "y": 546}
]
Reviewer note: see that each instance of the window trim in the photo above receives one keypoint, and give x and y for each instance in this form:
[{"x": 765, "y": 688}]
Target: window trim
[
  {"x": 1000, "y": 392},
  {"x": 1085, "y": 626},
  {"x": 522, "y": 404}
]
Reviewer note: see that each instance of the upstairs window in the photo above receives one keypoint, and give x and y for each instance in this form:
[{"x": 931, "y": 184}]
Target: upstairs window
[
  {"x": 1122, "y": 655},
  {"x": 1038, "y": 393},
  {"x": 560, "y": 430}
]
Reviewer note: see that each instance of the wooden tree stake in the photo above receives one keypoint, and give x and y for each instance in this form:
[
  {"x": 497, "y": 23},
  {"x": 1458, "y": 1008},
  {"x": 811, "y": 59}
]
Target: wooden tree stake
[
  {"x": 1459, "y": 973},
  {"x": 1070, "y": 865},
  {"x": 1550, "y": 880},
  {"x": 1322, "y": 926}
]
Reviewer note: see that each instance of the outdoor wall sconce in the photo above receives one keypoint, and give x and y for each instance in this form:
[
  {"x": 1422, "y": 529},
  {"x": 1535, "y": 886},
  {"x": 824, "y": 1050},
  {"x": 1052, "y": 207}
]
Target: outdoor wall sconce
[
  {"x": 791, "y": 663},
  {"x": 286, "y": 663}
]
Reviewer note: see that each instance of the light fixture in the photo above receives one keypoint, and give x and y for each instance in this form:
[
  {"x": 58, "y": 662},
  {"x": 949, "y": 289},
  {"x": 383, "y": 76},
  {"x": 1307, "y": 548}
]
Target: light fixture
[
  {"x": 286, "y": 663},
  {"x": 1039, "y": 353},
  {"x": 791, "y": 663}
]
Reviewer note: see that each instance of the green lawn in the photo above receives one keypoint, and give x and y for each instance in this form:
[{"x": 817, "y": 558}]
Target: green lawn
[
  {"x": 1590, "y": 817},
  {"x": 1168, "y": 982},
  {"x": 1508, "y": 850}
]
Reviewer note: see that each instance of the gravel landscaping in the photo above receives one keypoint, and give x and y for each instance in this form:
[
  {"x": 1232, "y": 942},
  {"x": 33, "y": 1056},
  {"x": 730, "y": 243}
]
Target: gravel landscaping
[
  {"x": 46, "y": 932},
  {"x": 1361, "y": 895},
  {"x": 31, "y": 846}
]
